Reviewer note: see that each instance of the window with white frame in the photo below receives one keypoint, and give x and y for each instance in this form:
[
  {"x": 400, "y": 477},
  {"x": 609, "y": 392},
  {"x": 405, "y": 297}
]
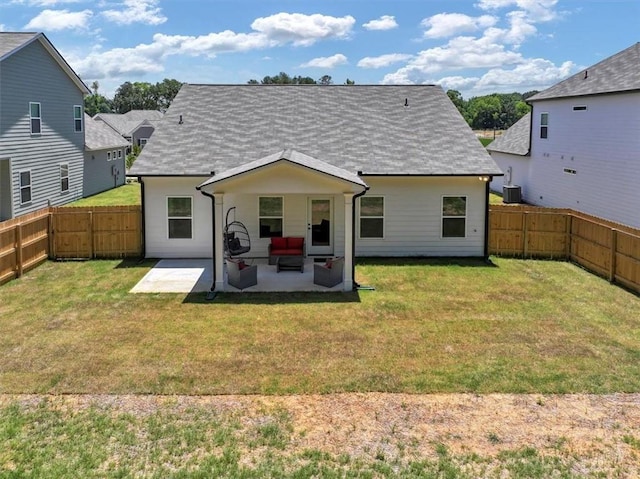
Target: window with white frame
[
  {"x": 544, "y": 125},
  {"x": 142, "y": 142},
  {"x": 35, "y": 115},
  {"x": 180, "y": 217},
  {"x": 64, "y": 177},
  {"x": 25, "y": 187},
  {"x": 108, "y": 156},
  {"x": 270, "y": 216},
  {"x": 114, "y": 154},
  {"x": 119, "y": 154},
  {"x": 454, "y": 216},
  {"x": 77, "y": 118},
  {"x": 371, "y": 217}
]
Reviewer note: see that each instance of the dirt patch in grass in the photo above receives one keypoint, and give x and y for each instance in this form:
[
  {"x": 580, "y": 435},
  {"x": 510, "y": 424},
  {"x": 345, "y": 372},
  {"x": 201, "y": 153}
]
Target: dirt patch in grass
[{"x": 595, "y": 432}]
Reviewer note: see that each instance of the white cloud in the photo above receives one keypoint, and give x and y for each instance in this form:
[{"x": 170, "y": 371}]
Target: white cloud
[
  {"x": 303, "y": 30},
  {"x": 535, "y": 72},
  {"x": 536, "y": 10},
  {"x": 136, "y": 11},
  {"x": 326, "y": 62},
  {"x": 456, "y": 82},
  {"x": 445, "y": 25},
  {"x": 43, "y": 3},
  {"x": 385, "y": 22},
  {"x": 53, "y": 20},
  {"x": 383, "y": 60}
]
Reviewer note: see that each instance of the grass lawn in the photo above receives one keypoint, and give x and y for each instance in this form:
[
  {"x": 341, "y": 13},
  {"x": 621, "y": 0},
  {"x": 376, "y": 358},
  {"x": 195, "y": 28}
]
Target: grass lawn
[
  {"x": 127, "y": 194},
  {"x": 430, "y": 326}
]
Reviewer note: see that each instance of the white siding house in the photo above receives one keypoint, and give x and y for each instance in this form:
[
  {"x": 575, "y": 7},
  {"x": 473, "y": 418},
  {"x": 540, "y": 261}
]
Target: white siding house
[
  {"x": 359, "y": 166},
  {"x": 583, "y": 150},
  {"x": 41, "y": 126}
]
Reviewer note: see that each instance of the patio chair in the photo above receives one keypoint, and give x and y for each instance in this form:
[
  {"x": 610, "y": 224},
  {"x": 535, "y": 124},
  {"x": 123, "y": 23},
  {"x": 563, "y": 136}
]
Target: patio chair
[
  {"x": 240, "y": 275},
  {"x": 328, "y": 274}
]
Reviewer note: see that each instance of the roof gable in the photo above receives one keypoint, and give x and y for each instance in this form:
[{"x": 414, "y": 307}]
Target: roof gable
[
  {"x": 12, "y": 42},
  {"x": 516, "y": 140},
  {"x": 99, "y": 136},
  {"x": 373, "y": 129},
  {"x": 618, "y": 73}
]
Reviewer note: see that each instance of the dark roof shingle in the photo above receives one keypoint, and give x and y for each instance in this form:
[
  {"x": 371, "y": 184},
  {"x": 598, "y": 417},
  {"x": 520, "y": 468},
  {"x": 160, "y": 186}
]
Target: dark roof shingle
[{"x": 516, "y": 140}]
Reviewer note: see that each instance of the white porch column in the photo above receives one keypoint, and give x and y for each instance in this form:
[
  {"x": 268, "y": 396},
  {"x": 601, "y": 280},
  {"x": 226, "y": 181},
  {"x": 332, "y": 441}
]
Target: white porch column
[
  {"x": 348, "y": 241},
  {"x": 218, "y": 254}
]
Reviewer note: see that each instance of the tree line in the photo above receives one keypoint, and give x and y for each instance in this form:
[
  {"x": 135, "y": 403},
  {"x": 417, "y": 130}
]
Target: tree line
[{"x": 495, "y": 111}]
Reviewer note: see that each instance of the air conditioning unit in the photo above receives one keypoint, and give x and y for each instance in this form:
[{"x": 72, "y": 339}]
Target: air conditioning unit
[{"x": 511, "y": 194}]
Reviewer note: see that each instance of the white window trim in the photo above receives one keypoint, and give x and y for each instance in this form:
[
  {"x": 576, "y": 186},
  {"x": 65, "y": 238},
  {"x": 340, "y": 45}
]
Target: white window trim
[
  {"x": 544, "y": 126},
  {"x": 384, "y": 222},
  {"x": 108, "y": 156},
  {"x": 142, "y": 142},
  {"x": 169, "y": 218},
  {"x": 270, "y": 217},
  {"x": 466, "y": 217},
  {"x": 62, "y": 190},
  {"x": 39, "y": 118},
  {"x": 21, "y": 187},
  {"x": 119, "y": 154},
  {"x": 76, "y": 119}
]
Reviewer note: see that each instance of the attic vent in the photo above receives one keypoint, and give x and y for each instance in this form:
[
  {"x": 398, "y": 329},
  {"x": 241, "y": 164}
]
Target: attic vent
[
  {"x": 586, "y": 74},
  {"x": 580, "y": 108}
]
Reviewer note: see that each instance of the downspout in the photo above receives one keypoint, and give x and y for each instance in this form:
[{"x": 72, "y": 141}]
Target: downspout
[
  {"x": 486, "y": 220},
  {"x": 143, "y": 205},
  {"x": 213, "y": 227},
  {"x": 353, "y": 237}
]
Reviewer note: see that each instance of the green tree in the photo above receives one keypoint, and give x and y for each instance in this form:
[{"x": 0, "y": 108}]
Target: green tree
[
  {"x": 165, "y": 91},
  {"x": 325, "y": 80},
  {"x": 132, "y": 156},
  {"x": 145, "y": 96},
  {"x": 97, "y": 103},
  {"x": 350, "y": 82}
]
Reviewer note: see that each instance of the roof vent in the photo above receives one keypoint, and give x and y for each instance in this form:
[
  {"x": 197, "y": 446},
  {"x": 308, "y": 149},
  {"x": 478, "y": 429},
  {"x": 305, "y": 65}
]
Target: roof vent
[
  {"x": 586, "y": 74},
  {"x": 180, "y": 122},
  {"x": 406, "y": 102}
]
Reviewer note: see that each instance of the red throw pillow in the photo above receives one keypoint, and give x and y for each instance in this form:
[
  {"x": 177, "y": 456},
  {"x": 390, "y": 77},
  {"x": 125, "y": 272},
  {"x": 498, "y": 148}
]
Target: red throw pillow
[
  {"x": 328, "y": 264},
  {"x": 278, "y": 242},
  {"x": 295, "y": 243},
  {"x": 241, "y": 265}
]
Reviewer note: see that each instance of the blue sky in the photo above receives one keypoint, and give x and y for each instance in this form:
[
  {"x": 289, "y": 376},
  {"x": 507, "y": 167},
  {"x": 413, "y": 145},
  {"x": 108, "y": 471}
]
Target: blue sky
[{"x": 476, "y": 47}]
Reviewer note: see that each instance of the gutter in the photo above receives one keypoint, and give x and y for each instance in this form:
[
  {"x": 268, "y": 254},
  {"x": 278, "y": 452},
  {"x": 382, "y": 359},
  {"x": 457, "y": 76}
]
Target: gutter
[{"x": 213, "y": 227}]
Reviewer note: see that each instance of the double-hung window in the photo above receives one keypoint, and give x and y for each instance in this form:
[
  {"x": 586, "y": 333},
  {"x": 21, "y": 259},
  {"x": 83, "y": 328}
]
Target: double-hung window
[
  {"x": 544, "y": 125},
  {"x": 35, "y": 116},
  {"x": 77, "y": 118},
  {"x": 25, "y": 187},
  {"x": 64, "y": 177},
  {"x": 454, "y": 216},
  {"x": 372, "y": 217},
  {"x": 270, "y": 216},
  {"x": 180, "y": 217}
]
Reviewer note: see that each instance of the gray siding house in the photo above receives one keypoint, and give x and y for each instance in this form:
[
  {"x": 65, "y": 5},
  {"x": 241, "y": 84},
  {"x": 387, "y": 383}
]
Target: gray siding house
[
  {"x": 104, "y": 157},
  {"x": 136, "y": 126},
  {"x": 41, "y": 126}
]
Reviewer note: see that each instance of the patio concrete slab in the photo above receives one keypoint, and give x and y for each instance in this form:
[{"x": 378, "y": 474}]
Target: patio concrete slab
[{"x": 195, "y": 276}]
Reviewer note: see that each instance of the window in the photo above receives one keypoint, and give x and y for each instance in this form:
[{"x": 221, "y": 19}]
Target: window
[
  {"x": 114, "y": 154},
  {"x": 64, "y": 177},
  {"x": 544, "y": 125},
  {"x": 36, "y": 118},
  {"x": 77, "y": 118},
  {"x": 180, "y": 217},
  {"x": 25, "y": 187},
  {"x": 372, "y": 217},
  {"x": 454, "y": 216},
  {"x": 108, "y": 156},
  {"x": 119, "y": 154},
  {"x": 142, "y": 142},
  {"x": 270, "y": 216}
]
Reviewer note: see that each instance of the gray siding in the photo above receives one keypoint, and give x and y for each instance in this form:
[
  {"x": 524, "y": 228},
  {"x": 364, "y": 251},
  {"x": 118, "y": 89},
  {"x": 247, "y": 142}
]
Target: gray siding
[
  {"x": 5, "y": 190},
  {"x": 142, "y": 132},
  {"x": 98, "y": 171},
  {"x": 32, "y": 75}
]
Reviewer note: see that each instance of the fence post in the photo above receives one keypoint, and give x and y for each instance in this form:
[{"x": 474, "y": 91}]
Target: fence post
[
  {"x": 91, "y": 245},
  {"x": 614, "y": 248},
  {"x": 567, "y": 250},
  {"x": 19, "y": 256},
  {"x": 525, "y": 239}
]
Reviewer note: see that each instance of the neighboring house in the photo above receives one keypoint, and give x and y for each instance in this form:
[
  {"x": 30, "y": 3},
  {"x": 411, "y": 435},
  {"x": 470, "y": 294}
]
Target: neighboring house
[
  {"x": 104, "y": 157},
  {"x": 136, "y": 126},
  {"x": 580, "y": 146},
  {"x": 41, "y": 126},
  {"x": 370, "y": 170}
]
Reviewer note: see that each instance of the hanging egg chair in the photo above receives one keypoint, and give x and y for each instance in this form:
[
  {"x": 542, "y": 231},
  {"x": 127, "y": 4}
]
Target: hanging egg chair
[{"x": 236, "y": 237}]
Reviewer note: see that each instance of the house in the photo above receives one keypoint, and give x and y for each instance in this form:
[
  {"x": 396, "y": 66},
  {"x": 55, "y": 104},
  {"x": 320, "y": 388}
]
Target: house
[
  {"x": 104, "y": 157},
  {"x": 41, "y": 126},
  {"x": 579, "y": 148},
  {"x": 136, "y": 126},
  {"x": 366, "y": 170}
]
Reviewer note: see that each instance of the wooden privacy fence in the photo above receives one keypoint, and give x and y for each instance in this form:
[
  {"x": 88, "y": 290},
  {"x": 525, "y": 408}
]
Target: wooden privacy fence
[
  {"x": 608, "y": 249},
  {"x": 68, "y": 232}
]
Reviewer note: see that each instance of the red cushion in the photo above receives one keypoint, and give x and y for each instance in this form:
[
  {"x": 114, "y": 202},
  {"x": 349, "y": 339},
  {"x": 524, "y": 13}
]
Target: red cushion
[
  {"x": 241, "y": 265},
  {"x": 328, "y": 264},
  {"x": 278, "y": 242},
  {"x": 295, "y": 242}
]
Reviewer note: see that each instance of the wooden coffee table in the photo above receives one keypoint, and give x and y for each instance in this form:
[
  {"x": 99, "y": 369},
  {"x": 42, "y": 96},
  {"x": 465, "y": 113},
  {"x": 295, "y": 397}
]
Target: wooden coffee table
[{"x": 290, "y": 263}]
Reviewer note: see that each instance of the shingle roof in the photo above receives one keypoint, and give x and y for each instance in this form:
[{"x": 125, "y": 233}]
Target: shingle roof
[
  {"x": 516, "y": 140},
  {"x": 618, "y": 73},
  {"x": 363, "y": 128},
  {"x": 11, "y": 42},
  {"x": 127, "y": 123},
  {"x": 140, "y": 115},
  {"x": 99, "y": 136},
  {"x": 290, "y": 156}
]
